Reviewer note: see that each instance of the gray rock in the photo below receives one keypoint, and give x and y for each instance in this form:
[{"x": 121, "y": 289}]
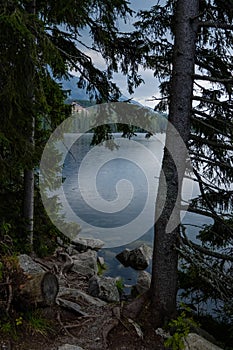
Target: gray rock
[
  {"x": 162, "y": 333},
  {"x": 196, "y": 342},
  {"x": 71, "y": 249},
  {"x": 104, "y": 288},
  {"x": 78, "y": 295},
  {"x": 143, "y": 282},
  {"x": 137, "y": 258},
  {"x": 85, "y": 263},
  {"x": 83, "y": 244},
  {"x": 69, "y": 347},
  {"x": 28, "y": 265},
  {"x": 100, "y": 260},
  {"x": 70, "y": 305}
]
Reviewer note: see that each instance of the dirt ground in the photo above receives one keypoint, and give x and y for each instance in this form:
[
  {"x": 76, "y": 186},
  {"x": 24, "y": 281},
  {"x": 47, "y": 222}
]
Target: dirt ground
[
  {"x": 99, "y": 330},
  {"x": 101, "y": 327}
]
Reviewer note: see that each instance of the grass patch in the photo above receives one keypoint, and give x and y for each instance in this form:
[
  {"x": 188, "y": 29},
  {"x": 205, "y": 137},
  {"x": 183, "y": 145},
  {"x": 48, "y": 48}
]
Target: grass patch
[{"x": 37, "y": 323}]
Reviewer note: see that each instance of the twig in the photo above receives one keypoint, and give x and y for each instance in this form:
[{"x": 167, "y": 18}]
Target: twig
[{"x": 64, "y": 327}]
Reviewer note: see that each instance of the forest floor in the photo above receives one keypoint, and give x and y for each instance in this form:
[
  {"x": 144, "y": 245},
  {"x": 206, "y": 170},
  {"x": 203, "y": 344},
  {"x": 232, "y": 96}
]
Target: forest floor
[
  {"x": 101, "y": 328},
  {"x": 88, "y": 333}
]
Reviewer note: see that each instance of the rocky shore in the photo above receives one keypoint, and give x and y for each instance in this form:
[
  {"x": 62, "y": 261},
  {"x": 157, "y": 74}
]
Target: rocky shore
[{"x": 87, "y": 305}]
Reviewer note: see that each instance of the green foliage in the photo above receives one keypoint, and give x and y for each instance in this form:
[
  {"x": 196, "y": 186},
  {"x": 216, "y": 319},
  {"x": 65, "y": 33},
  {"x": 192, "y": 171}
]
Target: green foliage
[
  {"x": 120, "y": 285},
  {"x": 9, "y": 325},
  {"x": 179, "y": 328},
  {"x": 218, "y": 234},
  {"x": 211, "y": 136},
  {"x": 32, "y": 322},
  {"x": 101, "y": 269},
  {"x": 38, "y": 46},
  {"x": 37, "y": 323},
  {"x": 19, "y": 321},
  {"x": 7, "y": 328}
]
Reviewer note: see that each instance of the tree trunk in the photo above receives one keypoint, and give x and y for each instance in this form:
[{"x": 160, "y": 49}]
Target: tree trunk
[
  {"x": 165, "y": 258},
  {"x": 28, "y": 205},
  {"x": 28, "y": 200},
  {"x": 40, "y": 289}
]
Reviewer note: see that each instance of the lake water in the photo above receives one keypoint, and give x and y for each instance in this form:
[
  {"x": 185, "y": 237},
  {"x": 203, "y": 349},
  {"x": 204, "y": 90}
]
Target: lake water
[{"x": 108, "y": 189}]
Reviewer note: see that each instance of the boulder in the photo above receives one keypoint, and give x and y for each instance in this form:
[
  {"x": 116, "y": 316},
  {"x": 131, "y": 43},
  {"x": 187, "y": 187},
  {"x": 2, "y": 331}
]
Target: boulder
[
  {"x": 70, "y": 305},
  {"x": 143, "y": 282},
  {"x": 78, "y": 296},
  {"x": 28, "y": 265},
  {"x": 85, "y": 263},
  {"x": 123, "y": 257},
  {"x": 196, "y": 342},
  {"x": 83, "y": 244},
  {"x": 138, "y": 258},
  {"x": 104, "y": 288}
]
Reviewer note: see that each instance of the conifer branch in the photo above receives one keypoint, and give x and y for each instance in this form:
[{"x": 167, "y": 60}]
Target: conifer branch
[
  {"x": 207, "y": 100},
  {"x": 213, "y": 79},
  {"x": 216, "y": 25},
  {"x": 205, "y": 141},
  {"x": 204, "y": 158},
  {"x": 204, "y": 250}
]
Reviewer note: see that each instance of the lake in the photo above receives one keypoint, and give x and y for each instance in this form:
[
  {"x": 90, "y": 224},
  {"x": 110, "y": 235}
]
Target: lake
[{"x": 111, "y": 191}]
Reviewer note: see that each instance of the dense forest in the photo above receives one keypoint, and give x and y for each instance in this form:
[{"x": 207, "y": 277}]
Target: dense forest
[{"x": 188, "y": 45}]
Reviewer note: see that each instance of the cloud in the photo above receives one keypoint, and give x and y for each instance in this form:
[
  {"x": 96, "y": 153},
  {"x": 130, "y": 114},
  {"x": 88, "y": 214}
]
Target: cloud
[{"x": 145, "y": 91}]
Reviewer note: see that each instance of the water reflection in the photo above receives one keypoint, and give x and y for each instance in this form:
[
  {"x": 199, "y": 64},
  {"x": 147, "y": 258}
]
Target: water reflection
[{"x": 109, "y": 174}]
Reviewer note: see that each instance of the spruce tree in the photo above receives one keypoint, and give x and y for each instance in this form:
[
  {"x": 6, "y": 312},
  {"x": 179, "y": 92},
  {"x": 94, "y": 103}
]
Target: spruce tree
[
  {"x": 40, "y": 42},
  {"x": 206, "y": 104}
]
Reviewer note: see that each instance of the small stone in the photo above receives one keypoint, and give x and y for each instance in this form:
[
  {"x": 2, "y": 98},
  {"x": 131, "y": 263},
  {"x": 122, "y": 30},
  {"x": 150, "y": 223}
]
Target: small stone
[
  {"x": 161, "y": 332},
  {"x": 100, "y": 260},
  {"x": 70, "y": 347}
]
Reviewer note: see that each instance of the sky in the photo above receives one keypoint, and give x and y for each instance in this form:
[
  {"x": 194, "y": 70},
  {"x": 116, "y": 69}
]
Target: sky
[{"x": 144, "y": 92}]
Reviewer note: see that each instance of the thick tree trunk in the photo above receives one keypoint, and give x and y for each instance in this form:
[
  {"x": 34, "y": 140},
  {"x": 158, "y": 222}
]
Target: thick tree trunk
[
  {"x": 165, "y": 258},
  {"x": 40, "y": 289}
]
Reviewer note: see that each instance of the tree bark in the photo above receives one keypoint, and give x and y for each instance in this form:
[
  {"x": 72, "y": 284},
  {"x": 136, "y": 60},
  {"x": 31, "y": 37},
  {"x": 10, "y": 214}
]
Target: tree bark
[
  {"x": 28, "y": 200},
  {"x": 28, "y": 205},
  {"x": 165, "y": 257}
]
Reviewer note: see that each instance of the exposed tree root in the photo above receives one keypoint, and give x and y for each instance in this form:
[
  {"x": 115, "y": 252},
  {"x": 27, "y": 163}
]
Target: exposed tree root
[{"x": 137, "y": 306}]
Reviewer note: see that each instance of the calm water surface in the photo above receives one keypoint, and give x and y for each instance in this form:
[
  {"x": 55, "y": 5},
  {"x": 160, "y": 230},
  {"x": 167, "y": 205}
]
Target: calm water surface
[{"x": 103, "y": 201}]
